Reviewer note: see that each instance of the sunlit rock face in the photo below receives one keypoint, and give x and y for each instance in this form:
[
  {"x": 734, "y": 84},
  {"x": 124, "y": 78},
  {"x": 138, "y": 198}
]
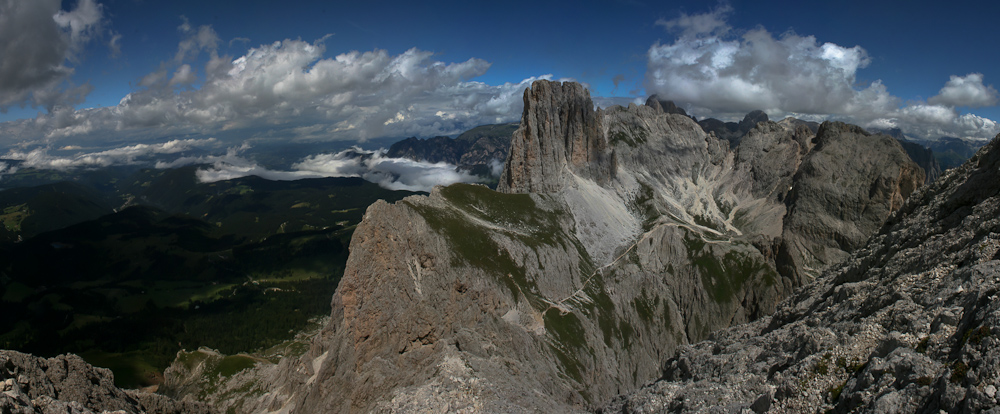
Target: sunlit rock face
[{"x": 616, "y": 236}]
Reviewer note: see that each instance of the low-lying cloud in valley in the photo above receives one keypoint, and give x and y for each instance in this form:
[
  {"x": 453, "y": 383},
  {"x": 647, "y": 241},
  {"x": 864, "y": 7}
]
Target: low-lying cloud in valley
[
  {"x": 128, "y": 155},
  {"x": 372, "y": 166},
  {"x": 391, "y": 173},
  {"x": 236, "y": 162}
]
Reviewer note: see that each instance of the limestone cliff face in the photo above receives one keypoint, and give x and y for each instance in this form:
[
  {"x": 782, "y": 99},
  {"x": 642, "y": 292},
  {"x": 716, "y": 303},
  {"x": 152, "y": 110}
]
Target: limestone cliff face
[
  {"x": 616, "y": 236},
  {"x": 560, "y": 132},
  {"x": 910, "y": 322},
  {"x": 845, "y": 189},
  {"x": 466, "y": 299}
]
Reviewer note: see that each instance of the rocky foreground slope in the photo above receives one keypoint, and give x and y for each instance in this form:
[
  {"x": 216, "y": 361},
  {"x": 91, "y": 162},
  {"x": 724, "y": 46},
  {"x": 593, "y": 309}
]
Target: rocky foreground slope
[
  {"x": 616, "y": 236},
  {"x": 909, "y": 323},
  {"x": 67, "y": 384}
]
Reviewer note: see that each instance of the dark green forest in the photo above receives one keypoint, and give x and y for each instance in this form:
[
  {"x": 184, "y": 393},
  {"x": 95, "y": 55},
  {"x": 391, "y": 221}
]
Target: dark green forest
[{"x": 237, "y": 265}]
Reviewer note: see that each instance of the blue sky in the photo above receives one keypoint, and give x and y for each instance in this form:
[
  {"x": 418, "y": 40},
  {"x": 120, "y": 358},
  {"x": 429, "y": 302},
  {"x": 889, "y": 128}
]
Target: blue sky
[{"x": 253, "y": 71}]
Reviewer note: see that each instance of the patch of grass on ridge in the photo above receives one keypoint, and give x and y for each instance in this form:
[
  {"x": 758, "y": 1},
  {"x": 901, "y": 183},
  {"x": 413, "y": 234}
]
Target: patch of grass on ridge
[
  {"x": 724, "y": 277},
  {"x": 473, "y": 244}
]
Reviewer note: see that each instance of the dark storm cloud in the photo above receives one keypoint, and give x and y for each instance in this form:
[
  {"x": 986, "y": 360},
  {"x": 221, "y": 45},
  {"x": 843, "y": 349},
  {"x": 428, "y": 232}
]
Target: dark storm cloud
[{"x": 39, "y": 42}]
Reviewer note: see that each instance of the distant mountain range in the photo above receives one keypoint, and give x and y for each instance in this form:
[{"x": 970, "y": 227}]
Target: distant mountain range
[
  {"x": 481, "y": 150},
  {"x": 952, "y": 152}
]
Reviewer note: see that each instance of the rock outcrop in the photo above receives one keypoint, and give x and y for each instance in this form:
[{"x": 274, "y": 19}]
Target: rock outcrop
[
  {"x": 67, "y": 384},
  {"x": 664, "y": 106},
  {"x": 752, "y": 119},
  {"x": 560, "y": 135},
  {"x": 844, "y": 190},
  {"x": 908, "y": 323},
  {"x": 616, "y": 236}
]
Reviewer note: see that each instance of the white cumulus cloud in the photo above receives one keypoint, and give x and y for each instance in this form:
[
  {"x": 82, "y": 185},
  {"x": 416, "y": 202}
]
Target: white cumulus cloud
[
  {"x": 789, "y": 73},
  {"x": 967, "y": 90},
  {"x": 282, "y": 89},
  {"x": 713, "y": 22},
  {"x": 82, "y": 22},
  {"x": 184, "y": 75},
  {"x": 713, "y": 71}
]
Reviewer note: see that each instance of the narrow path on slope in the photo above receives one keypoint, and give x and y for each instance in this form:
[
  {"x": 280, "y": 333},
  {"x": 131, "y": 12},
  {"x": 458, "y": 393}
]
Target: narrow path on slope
[{"x": 559, "y": 304}]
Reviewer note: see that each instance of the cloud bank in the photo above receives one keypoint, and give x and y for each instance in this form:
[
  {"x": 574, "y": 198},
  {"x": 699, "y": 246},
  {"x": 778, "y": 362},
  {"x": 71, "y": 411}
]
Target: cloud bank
[
  {"x": 283, "y": 90},
  {"x": 715, "y": 72},
  {"x": 373, "y": 166},
  {"x": 7, "y": 168},
  {"x": 391, "y": 173},
  {"x": 128, "y": 155}
]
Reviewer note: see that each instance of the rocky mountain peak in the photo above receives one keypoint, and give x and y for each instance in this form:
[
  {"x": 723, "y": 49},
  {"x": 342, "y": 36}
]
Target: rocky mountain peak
[
  {"x": 560, "y": 131},
  {"x": 665, "y": 106},
  {"x": 834, "y": 129},
  {"x": 869, "y": 175},
  {"x": 752, "y": 119}
]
